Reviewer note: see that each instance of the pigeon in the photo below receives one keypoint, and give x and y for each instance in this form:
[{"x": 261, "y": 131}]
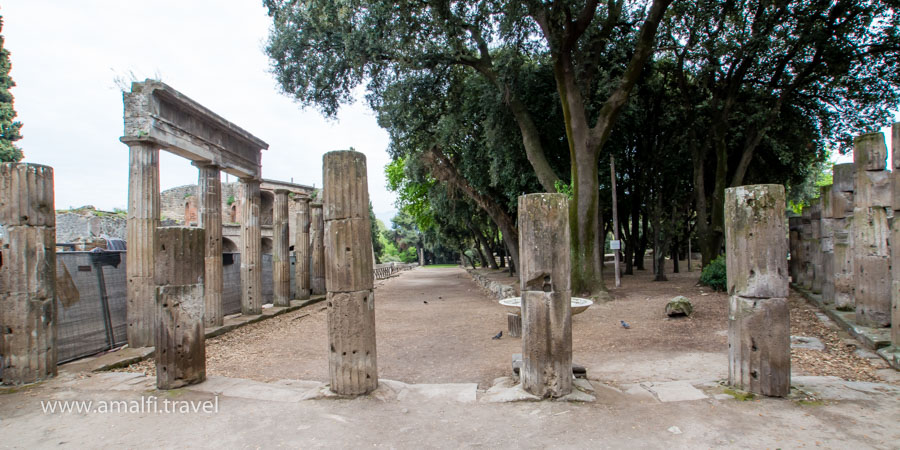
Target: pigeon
[
  {"x": 425, "y": 302},
  {"x": 625, "y": 324},
  {"x": 498, "y": 335}
]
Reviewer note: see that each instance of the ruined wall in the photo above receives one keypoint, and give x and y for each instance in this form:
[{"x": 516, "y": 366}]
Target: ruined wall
[{"x": 72, "y": 227}]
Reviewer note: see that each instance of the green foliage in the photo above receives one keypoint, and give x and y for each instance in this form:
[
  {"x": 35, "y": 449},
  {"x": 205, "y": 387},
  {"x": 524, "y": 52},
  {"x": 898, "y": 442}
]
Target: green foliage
[
  {"x": 377, "y": 245},
  {"x": 715, "y": 274},
  {"x": 230, "y": 200},
  {"x": 563, "y": 188},
  {"x": 9, "y": 128}
]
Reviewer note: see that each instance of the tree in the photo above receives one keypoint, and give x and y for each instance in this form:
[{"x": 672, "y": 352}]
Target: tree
[
  {"x": 322, "y": 50},
  {"x": 9, "y": 128}
]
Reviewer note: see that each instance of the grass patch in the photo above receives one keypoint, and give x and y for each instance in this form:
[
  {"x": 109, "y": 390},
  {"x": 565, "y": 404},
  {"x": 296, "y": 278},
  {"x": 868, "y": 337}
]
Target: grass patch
[{"x": 741, "y": 396}]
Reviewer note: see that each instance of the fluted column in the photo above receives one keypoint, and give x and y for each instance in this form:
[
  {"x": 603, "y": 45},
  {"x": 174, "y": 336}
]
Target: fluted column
[
  {"x": 301, "y": 248},
  {"x": 210, "y": 181},
  {"x": 316, "y": 249},
  {"x": 143, "y": 219},
  {"x": 281, "y": 251},
  {"x": 28, "y": 351},
  {"x": 251, "y": 248}
]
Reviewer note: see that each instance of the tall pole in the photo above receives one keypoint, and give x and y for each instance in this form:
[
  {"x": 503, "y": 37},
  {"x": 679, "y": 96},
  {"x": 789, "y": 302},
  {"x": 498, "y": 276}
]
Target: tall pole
[{"x": 615, "y": 213}]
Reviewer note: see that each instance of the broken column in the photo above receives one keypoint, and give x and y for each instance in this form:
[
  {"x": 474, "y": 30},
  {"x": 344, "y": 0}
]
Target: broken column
[
  {"x": 844, "y": 178},
  {"x": 180, "y": 342},
  {"x": 301, "y": 247},
  {"x": 349, "y": 274},
  {"x": 251, "y": 248},
  {"x": 28, "y": 350},
  {"x": 826, "y": 242},
  {"x": 546, "y": 295},
  {"x": 871, "y": 256},
  {"x": 210, "y": 185},
  {"x": 316, "y": 249},
  {"x": 895, "y": 237},
  {"x": 759, "y": 343},
  {"x": 143, "y": 219},
  {"x": 281, "y": 250}
]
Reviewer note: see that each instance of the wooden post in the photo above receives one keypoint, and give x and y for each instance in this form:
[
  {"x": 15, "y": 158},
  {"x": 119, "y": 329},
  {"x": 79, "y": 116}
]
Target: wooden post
[
  {"x": 28, "y": 351},
  {"x": 210, "y": 183},
  {"x": 301, "y": 248},
  {"x": 871, "y": 260},
  {"x": 316, "y": 249},
  {"x": 615, "y": 214},
  {"x": 546, "y": 294},
  {"x": 759, "y": 342},
  {"x": 844, "y": 177},
  {"x": 251, "y": 248},
  {"x": 352, "y": 362},
  {"x": 281, "y": 251},
  {"x": 180, "y": 342},
  {"x": 143, "y": 218}
]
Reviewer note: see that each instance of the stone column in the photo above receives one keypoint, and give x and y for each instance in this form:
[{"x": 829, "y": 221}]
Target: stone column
[
  {"x": 143, "y": 219},
  {"x": 826, "y": 241},
  {"x": 28, "y": 350},
  {"x": 546, "y": 295},
  {"x": 807, "y": 271},
  {"x": 844, "y": 177},
  {"x": 301, "y": 248},
  {"x": 251, "y": 248},
  {"x": 794, "y": 267},
  {"x": 352, "y": 362},
  {"x": 895, "y": 237},
  {"x": 871, "y": 257},
  {"x": 316, "y": 250},
  {"x": 210, "y": 185},
  {"x": 815, "y": 248},
  {"x": 759, "y": 342},
  {"x": 180, "y": 342},
  {"x": 281, "y": 250}
]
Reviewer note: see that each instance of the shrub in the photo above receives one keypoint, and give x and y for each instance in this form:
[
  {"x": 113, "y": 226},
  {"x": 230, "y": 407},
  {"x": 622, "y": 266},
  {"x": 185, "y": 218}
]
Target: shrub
[{"x": 715, "y": 275}]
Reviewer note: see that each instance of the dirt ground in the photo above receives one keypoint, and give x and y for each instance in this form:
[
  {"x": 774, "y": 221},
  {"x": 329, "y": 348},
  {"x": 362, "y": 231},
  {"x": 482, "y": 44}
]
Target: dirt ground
[{"x": 434, "y": 325}]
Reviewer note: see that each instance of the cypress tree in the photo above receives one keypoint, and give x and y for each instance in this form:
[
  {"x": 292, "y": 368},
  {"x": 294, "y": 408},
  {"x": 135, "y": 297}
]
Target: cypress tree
[{"x": 9, "y": 129}]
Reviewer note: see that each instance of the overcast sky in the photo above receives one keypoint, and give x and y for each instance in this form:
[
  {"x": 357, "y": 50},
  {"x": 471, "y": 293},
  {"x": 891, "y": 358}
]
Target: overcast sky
[{"x": 66, "y": 56}]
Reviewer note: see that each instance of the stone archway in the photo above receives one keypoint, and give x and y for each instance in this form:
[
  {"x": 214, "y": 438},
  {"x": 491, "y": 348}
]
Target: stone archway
[{"x": 229, "y": 246}]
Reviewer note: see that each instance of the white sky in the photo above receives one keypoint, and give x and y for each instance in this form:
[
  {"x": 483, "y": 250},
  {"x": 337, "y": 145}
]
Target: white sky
[{"x": 65, "y": 58}]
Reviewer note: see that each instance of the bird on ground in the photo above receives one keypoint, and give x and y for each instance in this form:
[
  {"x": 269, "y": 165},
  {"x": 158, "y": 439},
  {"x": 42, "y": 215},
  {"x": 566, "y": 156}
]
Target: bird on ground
[
  {"x": 498, "y": 335},
  {"x": 625, "y": 324},
  {"x": 425, "y": 302}
]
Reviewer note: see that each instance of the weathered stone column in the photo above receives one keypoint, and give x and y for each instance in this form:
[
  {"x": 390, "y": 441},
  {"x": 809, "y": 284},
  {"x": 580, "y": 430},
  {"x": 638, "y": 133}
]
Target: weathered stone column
[
  {"x": 301, "y": 248},
  {"x": 546, "y": 294},
  {"x": 251, "y": 248},
  {"x": 143, "y": 219},
  {"x": 281, "y": 250},
  {"x": 815, "y": 248},
  {"x": 807, "y": 271},
  {"x": 352, "y": 362},
  {"x": 826, "y": 242},
  {"x": 210, "y": 185},
  {"x": 759, "y": 342},
  {"x": 27, "y": 274},
  {"x": 871, "y": 256},
  {"x": 844, "y": 177},
  {"x": 794, "y": 242},
  {"x": 316, "y": 249},
  {"x": 895, "y": 237},
  {"x": 180, "y": 342}
]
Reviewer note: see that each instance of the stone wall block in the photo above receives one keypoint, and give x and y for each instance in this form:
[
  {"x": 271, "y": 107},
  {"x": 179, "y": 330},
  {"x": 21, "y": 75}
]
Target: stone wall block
[{"x": 873, "y": 290}]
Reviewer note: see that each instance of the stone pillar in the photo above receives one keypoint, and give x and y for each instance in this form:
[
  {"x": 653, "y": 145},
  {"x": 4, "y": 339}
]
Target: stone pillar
[
  {"x": 794, "y": 243},
  {"x": 844, "y": 177},
  {"x": 759, "y": 341},
  {"x": 546, "y": 295},
  {"x": 28, "y": 350},
  {"x": 352, "y": 362},
  {"x": 210, "y": 185},
  {"x": 281, "y": 250},
  {"x": 316, "y": 249},
  {"x": 895, "y": 237},
  {"x": 251, "y": 248},
  {"x": 143, "y": 219},
  {"x": 806, "y": 274},
  {"x": 180, "y": 342},
  {"x": 815, "y": 248},
  {"x": 871, "y": 257},
  {"x": 301, "y": 248},
  {"x": 826, "y": 241}
]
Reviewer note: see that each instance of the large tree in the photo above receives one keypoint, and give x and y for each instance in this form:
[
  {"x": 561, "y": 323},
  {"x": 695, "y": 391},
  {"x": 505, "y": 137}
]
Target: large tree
[
  {"x": 322, "y": 50},
  {"x": 9, "y": 127}
]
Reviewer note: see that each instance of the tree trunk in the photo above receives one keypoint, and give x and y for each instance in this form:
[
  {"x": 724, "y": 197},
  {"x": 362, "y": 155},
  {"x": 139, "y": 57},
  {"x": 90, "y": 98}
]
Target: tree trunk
[{"x": 584, "y": 221}]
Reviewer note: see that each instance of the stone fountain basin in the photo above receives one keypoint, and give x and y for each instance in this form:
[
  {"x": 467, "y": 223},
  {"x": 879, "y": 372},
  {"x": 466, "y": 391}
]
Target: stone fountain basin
[{"x": 579, "y": 305}]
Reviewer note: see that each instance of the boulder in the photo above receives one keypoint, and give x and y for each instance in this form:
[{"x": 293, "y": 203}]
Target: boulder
[{"x": 679, "y": 306}]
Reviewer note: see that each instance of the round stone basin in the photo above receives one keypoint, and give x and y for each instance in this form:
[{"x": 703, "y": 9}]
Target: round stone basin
[{"x": 579, "y": 305}]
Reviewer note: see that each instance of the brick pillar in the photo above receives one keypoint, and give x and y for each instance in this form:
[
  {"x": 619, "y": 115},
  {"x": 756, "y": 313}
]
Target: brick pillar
[
  {"x": 281, "y": 253},
  {"x": 251, "y": 248},
  {"x": 27, "y": 274},
  {"x": 143, "y": 219},
  {"x": 210, "y": 182},
  {"x": 759, "y": 341}
]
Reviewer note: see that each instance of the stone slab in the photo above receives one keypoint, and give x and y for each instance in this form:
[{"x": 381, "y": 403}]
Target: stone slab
[
  {"x": 674, "y": 391},
  {"x": 807, "y": 342},
  {"x": 873, "y": 338}
]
